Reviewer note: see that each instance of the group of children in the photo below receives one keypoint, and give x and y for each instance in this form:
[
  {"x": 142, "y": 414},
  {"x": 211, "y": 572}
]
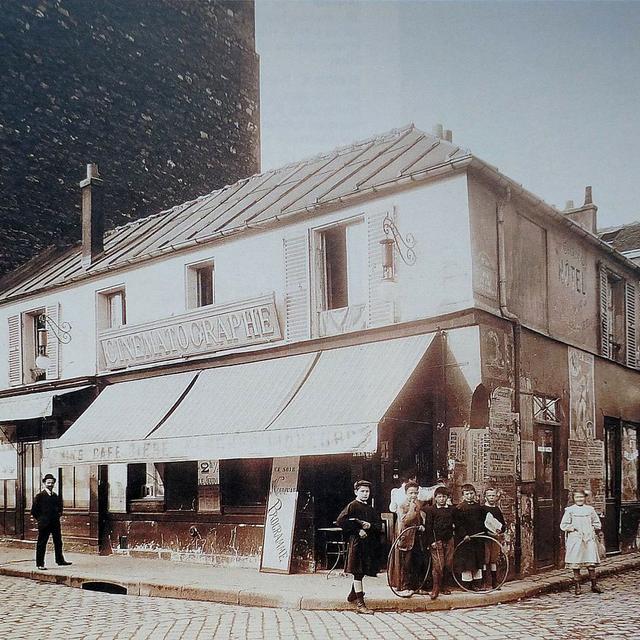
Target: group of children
[{"x": 441, "y": 526}]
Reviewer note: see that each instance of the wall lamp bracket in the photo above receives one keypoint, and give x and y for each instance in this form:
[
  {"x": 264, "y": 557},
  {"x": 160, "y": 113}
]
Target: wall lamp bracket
[{"x": 405, "y": 247}]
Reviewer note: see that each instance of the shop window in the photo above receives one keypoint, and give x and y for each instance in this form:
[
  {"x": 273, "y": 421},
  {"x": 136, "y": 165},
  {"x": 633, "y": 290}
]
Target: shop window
[
  {"x": 245, "y": 483},
  {"x": 75, "y": 487},
  {"x": 200, "y": 284},
  {"x": 546, "y": 409},
  {"x": 181, "y": 486},
  {"x": 630, "y": 468},
  {"x": 112, "y": 309},
  {"x": 342, "y": 279}
]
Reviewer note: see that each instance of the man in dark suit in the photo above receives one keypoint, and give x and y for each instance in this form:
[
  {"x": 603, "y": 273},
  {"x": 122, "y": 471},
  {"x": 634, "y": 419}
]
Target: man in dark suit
[{"x": 47, "y": 509}]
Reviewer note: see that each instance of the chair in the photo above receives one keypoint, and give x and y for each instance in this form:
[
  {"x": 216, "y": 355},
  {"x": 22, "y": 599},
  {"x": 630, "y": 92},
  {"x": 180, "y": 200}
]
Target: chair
[{"x": 335, "y": 548}]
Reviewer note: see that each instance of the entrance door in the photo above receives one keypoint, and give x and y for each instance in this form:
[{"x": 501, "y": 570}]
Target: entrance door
[
  {"x": 546, "y": 512},
  {"x": 613, "y": 495}
]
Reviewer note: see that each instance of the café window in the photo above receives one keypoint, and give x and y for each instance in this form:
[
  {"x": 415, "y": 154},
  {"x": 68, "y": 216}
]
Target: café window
[
  {"x": 245, "y": 483},
  {"x": 180, "y": 486},
  {"x": 342, "y": 285},
  {"x": 200, "y": 284},
  {"x": 75, "y": 487},
  {"x": 145, "y": 481},
  {"x": 112, "y": 309}
]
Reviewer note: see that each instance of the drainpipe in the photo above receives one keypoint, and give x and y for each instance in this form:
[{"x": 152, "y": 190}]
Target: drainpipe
[{"x": 516, "y": 328}]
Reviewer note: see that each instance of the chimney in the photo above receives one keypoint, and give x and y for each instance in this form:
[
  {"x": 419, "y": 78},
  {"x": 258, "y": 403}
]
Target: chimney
[
  {"x": 92, "y": 216},
  {"x": 586, "y": 215},
  {"x": 448, "y": 135}
]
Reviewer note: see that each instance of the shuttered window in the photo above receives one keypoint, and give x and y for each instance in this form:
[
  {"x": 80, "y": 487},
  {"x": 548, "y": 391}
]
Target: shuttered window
[
  {"x": 15, "y": 351},
  {"x": 618, "y": 318},
  {"x": 296, "y": 288},
  {"x": 381, "y": 311},
  {"x": 630, "y": 296}
]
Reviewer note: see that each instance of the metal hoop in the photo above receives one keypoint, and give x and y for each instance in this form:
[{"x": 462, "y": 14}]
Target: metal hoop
[
  {"x": 503, "y": 556},
  {"x": 390, "y": 558}
]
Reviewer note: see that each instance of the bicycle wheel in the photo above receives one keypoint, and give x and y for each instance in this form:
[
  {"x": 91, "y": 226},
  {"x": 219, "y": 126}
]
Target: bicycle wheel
[
  {"x": 420, "y": 562},
  {"x": 492, "y": 553}
]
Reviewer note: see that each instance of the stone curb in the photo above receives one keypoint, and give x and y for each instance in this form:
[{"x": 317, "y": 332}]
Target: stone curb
[{"x": 510, "y": 592}]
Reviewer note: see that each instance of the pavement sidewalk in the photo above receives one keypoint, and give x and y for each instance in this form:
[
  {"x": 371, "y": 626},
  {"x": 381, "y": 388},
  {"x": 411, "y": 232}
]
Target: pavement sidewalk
[{"x": 249, "y": 587}]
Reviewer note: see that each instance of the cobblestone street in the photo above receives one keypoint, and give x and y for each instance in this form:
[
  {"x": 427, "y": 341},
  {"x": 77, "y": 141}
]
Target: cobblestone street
[{"x": 40, "y": 611}]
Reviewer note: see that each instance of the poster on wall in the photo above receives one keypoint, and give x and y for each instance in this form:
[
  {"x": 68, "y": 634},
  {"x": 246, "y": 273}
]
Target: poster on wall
[
  {"x": 280, "y": 518},
  {"x": 581, "y": 395},
  {"x": 209, "y": 486}
]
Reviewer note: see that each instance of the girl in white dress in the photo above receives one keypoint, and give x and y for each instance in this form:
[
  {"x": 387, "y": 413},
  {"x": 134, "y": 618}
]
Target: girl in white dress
[{"x": 580, "y": 522}]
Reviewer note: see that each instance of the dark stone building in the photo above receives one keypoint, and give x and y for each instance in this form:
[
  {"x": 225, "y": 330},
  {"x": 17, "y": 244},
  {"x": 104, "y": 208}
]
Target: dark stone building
[{"x": 162, "y": 94}]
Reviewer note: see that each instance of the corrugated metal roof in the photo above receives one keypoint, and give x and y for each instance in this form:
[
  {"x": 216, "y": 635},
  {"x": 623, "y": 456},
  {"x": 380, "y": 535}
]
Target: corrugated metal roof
[{"x": 297, "y": 187}]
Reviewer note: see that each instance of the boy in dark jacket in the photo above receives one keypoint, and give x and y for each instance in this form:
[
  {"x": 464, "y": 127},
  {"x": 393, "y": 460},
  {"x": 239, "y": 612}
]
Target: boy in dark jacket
[
  {"x": 362, "y": 526},
  {"x": 439, "y": 538},
  {"x": 469, "y": 519},
  {"x": 491, "y": 551}
]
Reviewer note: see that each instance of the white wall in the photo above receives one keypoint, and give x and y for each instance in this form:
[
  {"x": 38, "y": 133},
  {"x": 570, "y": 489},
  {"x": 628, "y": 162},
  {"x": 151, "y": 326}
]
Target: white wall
[{"x": 251, "y": 264}]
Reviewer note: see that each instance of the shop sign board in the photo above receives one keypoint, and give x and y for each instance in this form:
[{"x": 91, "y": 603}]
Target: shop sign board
[
  {"x": 280, "y": 518},
  {"x": 199, "y": 332},
  {"x": 209, "y": 486}
]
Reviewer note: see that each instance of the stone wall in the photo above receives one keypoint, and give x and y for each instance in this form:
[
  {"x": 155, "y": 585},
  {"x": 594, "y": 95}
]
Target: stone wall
[{"x": 162, "y": 94}]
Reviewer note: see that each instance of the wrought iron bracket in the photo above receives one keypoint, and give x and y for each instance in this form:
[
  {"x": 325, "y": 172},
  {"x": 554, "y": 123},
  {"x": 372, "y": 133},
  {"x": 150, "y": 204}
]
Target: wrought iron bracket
[
  {"x": 61, "y": 331},
  {"x": 404, "y": 246}
]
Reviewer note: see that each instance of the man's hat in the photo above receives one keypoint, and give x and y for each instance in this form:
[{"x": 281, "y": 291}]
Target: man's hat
[
  {"x": 361, "y": 483},
  {"x": 48, "y": 477}
]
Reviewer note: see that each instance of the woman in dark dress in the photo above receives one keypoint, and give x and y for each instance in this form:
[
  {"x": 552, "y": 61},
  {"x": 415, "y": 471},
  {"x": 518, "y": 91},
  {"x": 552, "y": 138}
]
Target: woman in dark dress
[{"x": 362, "y": 526}]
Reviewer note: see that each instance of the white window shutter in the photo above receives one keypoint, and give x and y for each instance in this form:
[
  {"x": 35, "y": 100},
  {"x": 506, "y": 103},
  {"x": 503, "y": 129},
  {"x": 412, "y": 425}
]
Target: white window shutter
[
  {"x": 53, "y": 344},
  {"x": 15, "y": 350},
  {"x": 630, "y": 308},
  {"x": 381, "y": 312},
  {"x": 296, "y": 288},
  {"x": 605, "y": 328}
]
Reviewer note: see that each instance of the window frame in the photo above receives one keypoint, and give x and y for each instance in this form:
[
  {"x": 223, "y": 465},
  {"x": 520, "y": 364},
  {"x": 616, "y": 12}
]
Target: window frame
[
  {"x": 103, "y": 307},
  {"x": 548, "y": 410},
  {"x": 193, "y": 290},
  {"x": 31, "y": 346},
  {"x": 319, "y": 302}
]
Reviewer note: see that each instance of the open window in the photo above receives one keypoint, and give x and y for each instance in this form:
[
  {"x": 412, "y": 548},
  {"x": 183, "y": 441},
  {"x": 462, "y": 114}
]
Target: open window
[
  {"x": 341, "y": 277},
  {"x": 200, "y": 284},
  {"x": 112, "y": 308}
]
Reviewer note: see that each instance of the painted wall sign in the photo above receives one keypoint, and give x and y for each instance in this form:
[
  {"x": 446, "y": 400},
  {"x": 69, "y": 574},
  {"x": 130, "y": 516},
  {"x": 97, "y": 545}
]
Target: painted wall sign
[
  {"x": 205, "y": 330},
  {"x": 281, "y": 515},
  {"x": 581, "y": 395},
  {"x": 321, "y": 440},
  {"x": 8, "y": 462}
]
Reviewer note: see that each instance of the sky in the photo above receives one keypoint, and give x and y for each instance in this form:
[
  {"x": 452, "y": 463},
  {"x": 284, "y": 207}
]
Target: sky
[{"x": 549, "y": 92}]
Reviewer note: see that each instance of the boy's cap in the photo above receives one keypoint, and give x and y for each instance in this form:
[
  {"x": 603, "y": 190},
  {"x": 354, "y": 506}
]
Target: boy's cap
[{"x": 361, "y": 483}]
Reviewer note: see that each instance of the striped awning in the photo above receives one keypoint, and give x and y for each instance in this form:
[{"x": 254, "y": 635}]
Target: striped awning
[{"x": 325, "y": 402}]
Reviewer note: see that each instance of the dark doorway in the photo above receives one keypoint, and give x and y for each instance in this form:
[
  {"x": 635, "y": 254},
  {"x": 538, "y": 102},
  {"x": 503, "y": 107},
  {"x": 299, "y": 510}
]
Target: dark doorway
[
  {"x": 104, "y": 538},
  {"x": 546, "y": 499},
  {"x": 613, "y": 493}
]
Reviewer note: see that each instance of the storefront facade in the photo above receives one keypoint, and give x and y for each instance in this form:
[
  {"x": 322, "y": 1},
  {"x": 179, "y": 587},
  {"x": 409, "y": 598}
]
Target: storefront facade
[{"x": 252, "y": 353}]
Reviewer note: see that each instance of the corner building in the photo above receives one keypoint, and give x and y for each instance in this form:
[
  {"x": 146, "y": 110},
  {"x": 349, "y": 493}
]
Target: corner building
[{"x": 209, "y": 382}]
